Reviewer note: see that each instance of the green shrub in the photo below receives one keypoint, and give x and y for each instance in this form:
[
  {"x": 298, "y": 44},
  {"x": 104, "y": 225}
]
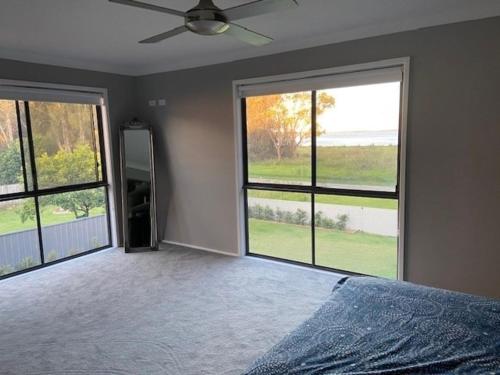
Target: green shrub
[
  {"x": 300, "y": 217},
  {"x": 51, "y": 256},
  {"x": 95, "y": 243},
  {"x": 279, "y": 215},
  {"x": 27, "y": 262},
  {"x": 341, "y": 222},
  {"x": 321, "y": 221},
  {"x": 328, "y": 223},
  {"x": 255, "y": 211},
  {"x": 6, "y": 269},
  {"x": 318, "y": 218},
  {"x": 268, "y": 213}
]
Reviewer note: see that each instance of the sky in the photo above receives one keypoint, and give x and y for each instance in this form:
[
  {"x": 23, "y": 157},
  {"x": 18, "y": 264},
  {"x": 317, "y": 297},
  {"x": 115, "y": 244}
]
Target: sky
[{"x": 358, "y": 108}]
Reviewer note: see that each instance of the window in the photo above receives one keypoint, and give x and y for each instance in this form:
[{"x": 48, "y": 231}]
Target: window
[
  {"x": 65, "y": 135},
  {"x": 321, "y": 166},
  {"x": 357, "y": 138},
  {"x": 278, "y": 224},
  {"x": 53, "y": 180},
  {"x": 271, "y": 120}
]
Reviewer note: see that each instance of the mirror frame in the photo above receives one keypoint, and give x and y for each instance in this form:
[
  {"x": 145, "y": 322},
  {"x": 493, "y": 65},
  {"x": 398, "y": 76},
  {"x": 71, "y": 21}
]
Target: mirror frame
[{"x": 137, "y": 125}]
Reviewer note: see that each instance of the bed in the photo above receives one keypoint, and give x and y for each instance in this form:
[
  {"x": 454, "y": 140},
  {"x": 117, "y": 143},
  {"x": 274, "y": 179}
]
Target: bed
[{"x": 376, "y": 326}]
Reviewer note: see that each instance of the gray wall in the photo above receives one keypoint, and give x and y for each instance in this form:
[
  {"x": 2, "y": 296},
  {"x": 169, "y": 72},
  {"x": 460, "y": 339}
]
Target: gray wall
[
  {"x": 120, "y": 93},
  {"x": 453, "y": 194}
]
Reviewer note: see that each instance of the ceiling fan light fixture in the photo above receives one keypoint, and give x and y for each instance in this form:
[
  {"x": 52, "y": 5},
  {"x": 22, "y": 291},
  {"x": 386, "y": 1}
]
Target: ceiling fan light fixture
[
  {"x": 208, "y": 19},
  {"x": 207, "y": 27}
]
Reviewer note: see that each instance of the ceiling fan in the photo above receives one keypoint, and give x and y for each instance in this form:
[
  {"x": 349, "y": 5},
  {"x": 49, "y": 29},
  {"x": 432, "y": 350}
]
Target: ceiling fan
[{"x": 207, "y": 19}]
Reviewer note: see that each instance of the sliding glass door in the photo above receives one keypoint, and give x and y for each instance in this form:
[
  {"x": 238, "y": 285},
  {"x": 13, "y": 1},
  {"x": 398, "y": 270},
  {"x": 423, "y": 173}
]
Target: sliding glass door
[
  {"x": 53, "y": 183},
  {"x": 321, "y": 171}
]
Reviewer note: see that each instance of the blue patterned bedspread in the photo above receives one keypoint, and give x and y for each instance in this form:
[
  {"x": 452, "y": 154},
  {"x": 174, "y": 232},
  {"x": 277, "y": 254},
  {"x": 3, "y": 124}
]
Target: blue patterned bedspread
[{"x": 377, "y": 326}]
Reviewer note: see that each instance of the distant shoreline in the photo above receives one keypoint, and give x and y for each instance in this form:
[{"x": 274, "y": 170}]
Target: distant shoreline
[{"x": 358, "y": 138}]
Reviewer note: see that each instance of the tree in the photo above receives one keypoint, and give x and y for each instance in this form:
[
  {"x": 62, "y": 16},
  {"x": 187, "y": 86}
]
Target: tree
[
  {"x": 278, "y": 124},
  {"x": 27, "y": 211},
  {"x": 10, "y": 157},
  {"x": 79, "y": 202},
  {"x": 61, "y": 126},
  {"x": 10, "y": 164},
  {"x": 69, "y": 168},
  {"x": 65, "y": 168},
  {"x": 8, "y": 122}
]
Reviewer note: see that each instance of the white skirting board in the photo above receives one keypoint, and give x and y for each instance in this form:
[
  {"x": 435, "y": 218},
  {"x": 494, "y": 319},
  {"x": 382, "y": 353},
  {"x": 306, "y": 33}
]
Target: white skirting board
[{"x": 200, "y": 248}]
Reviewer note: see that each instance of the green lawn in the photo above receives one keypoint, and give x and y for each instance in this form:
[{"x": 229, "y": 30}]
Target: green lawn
[
  {"x": 358, "y": 165},
  {"x": 331, "y": 199},
  {"x": 361, "y": 165},
  {"x": 10, "y": 221},
  {"x": 358, "y": 252}
]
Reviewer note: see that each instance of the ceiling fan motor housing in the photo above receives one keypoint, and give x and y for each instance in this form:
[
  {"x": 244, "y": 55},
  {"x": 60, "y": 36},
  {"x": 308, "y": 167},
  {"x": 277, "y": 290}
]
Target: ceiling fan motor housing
[{"x": 206, "y": 19}]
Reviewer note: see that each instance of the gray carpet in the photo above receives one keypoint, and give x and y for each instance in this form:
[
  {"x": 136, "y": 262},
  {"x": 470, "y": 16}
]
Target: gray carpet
[{"x": 176, "y": 311}]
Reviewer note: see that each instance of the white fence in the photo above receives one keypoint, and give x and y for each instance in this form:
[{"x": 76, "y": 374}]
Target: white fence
[
  {"x": 9, "y": 189},
  {"x": 59, "y": 241},
  {"x": 366, "y": 219}
]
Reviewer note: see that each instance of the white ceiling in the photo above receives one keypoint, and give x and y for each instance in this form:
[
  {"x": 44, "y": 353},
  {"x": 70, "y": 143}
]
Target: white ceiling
[{"x": 98, "y": 35}]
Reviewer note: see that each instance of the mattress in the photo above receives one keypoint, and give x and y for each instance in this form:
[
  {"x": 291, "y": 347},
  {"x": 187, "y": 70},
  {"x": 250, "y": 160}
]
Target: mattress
[{"x": 376, "y": 326}]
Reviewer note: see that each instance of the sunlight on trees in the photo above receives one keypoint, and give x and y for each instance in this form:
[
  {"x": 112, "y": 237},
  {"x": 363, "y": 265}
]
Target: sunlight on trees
[
  {"x": 61, "y": 126},
  {"x": 277, "y": 125},
  {"x": 8, "y": 122}
]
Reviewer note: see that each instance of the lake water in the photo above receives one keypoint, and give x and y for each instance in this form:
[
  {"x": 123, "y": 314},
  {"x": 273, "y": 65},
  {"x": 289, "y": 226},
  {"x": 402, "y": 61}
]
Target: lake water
[{"x": 359, "y": 138}]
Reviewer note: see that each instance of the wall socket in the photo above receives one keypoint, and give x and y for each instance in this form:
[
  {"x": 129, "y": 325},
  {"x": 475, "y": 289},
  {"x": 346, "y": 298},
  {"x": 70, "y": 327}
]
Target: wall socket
[
  {"x": 152, "y": 103},
  {"x": 162, "y": 102}
]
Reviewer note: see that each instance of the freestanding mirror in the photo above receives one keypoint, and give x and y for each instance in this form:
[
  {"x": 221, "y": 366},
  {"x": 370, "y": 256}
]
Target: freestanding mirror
[{"x": 138, "y": 187}]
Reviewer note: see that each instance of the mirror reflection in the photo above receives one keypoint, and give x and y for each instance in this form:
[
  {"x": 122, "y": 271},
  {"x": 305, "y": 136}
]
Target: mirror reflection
[{"x": 138, "y": 177}]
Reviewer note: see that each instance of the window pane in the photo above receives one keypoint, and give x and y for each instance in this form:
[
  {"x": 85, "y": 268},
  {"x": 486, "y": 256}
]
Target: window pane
[
  {"x": 279, "y": 224},
  {"x": 357, "y": 143},
  {"x": 357, "y": 234},
  {"x": 73, "y": 222},
  {"x": 11, "y": 167},
  {"x": 65, "y": 142},
  {"x": 279, "y": 138},
  {"x": 19, "y": 243}
]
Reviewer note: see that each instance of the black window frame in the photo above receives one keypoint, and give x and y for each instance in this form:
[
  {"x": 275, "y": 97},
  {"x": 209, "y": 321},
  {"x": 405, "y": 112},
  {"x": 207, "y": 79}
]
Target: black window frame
[
  {"x": 36, "y": 193},
  {"x": 313, "y": 189}
]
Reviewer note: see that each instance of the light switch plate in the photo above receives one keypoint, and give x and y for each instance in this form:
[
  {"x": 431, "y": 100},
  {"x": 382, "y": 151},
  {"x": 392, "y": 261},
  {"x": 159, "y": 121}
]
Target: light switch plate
[
  {"x": 162, "y": 102},
  {"x": 152, "y": 103}
]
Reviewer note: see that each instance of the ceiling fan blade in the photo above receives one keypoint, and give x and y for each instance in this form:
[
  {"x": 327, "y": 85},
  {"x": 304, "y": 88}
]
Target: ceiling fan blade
[
  {"x": 257, "y": 8},
  {"x": 247, "y": 36},
  {"x": 156, "y": 8},
  {"x": 165, "y": 35}
]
